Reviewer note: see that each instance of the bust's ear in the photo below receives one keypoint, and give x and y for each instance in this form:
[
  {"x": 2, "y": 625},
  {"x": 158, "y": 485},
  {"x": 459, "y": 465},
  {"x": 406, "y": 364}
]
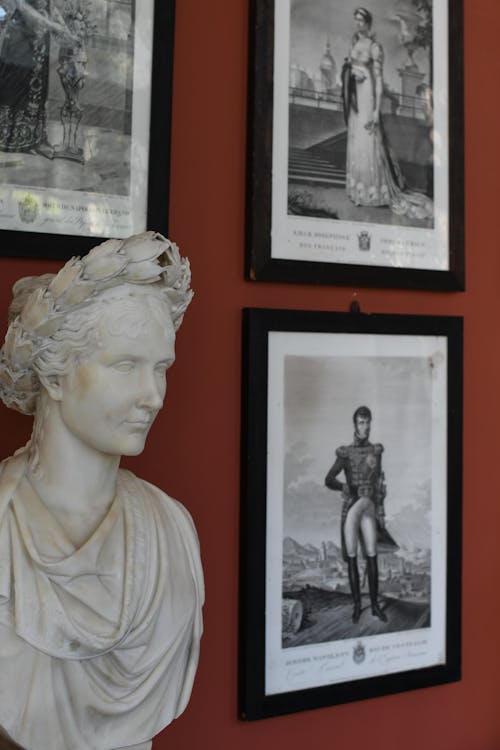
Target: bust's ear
[{"x": 53, "y": 386}]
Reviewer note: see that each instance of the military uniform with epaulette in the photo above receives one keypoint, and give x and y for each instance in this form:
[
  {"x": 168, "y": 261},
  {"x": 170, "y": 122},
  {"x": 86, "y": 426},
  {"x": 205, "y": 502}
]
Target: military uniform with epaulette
[
  {"x": 361, "y": 463},
  {"x": 363, "y": 494}
]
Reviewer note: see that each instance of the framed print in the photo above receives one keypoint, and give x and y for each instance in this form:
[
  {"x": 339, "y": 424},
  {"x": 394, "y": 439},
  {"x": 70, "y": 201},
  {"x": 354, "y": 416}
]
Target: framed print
[
  {"x": 355, "y": 155},
  {"x": 85, "y": 106},
  {"x": 351, "y": 507}
]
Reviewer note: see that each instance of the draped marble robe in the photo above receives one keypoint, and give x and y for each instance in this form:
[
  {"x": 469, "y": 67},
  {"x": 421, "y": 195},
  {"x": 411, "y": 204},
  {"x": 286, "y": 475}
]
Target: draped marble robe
[{"x": 98, "y": 645}]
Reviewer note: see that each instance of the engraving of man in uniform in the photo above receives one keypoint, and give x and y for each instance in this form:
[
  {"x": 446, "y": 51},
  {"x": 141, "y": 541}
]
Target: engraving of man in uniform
[{"x": 363, "y": 493}]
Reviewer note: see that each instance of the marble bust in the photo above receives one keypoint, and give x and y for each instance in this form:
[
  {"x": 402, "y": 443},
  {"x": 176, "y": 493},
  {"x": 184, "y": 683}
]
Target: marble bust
[{"x": 101, "y": 586}]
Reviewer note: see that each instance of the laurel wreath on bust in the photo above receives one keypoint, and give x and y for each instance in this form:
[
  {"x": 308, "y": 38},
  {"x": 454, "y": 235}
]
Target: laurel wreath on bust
[{"x": 141, "y": 259}]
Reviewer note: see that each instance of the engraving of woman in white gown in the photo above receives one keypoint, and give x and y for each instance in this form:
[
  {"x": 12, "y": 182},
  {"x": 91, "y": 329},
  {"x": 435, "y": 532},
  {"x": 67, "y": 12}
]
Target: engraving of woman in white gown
[{"x": 373, "y": 176}]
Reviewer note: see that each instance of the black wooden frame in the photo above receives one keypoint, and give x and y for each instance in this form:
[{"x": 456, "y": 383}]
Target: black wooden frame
[
  {"x": 257, "y": 324},
  {"x": 260, "y": 265},
  {"x": 15, "y": 243}
]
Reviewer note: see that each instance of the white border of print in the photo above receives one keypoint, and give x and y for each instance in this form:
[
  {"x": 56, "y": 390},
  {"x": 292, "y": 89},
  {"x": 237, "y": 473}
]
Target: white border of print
[
  {"x": 330, "y": 663},
  {"x": 391, "y": 246},
  {"x": 91, "y": 214}
]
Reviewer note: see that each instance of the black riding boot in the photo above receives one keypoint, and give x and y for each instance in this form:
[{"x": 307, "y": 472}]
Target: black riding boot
[
  {"x": 372, "y": 569},
  {"x": 352, "y": 564}
]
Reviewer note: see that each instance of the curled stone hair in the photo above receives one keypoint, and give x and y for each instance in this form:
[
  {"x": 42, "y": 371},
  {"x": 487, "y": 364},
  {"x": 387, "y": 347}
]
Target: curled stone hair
[{"x": 43, "y": 306}]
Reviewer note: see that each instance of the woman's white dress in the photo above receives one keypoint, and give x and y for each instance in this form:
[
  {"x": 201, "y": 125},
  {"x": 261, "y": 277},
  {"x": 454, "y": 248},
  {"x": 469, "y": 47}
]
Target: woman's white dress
[
  {"x": 98, "y": 644},
  {"x": 373, "y": 177}
]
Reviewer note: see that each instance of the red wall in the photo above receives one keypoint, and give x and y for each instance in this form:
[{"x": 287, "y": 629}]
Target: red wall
[{"x": 193, "y": 450}]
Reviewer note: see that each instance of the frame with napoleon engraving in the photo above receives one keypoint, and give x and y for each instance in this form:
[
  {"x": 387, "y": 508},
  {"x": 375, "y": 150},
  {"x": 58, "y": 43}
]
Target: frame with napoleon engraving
[{"x": 305, "y": 375}]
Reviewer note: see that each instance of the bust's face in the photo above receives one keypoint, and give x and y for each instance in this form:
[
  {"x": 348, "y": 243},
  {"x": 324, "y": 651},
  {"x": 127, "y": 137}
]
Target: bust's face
[{"x": 112, "y": 397}]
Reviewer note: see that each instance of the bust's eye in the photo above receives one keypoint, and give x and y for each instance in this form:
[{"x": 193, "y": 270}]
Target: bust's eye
[
  {"x": 161, "y": 369},
  {"x": 124, "y": 366}
]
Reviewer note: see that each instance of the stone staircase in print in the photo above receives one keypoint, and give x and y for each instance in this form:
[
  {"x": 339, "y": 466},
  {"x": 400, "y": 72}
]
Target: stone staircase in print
[{"x": 304, "y": 166}]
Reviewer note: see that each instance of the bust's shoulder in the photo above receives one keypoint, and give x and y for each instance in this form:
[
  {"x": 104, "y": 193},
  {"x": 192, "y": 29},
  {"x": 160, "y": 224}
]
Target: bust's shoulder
[
  {"x": 342, "y": 451},
  {"x": 378, "y": 448},
  {"x": 167, "y": 518},
  {"x": 156, "y": 498},
  {"x": 130, "y": 481},
  {"x": 11, "y": 470},
  {"x": 127, "y": 480}
]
